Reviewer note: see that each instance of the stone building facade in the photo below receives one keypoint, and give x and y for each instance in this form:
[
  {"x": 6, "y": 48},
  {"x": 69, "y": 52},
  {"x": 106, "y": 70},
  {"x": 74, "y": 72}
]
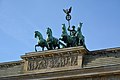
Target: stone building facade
[{"x": 74, "y": 63}]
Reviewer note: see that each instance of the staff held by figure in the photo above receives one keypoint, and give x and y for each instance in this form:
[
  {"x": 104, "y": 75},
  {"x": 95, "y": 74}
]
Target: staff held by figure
[{"x": 68, "y": 16}]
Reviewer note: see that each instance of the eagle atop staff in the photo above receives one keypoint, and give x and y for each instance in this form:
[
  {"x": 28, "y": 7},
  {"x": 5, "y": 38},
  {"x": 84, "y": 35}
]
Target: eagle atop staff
[{"x": 67, "y": 11}]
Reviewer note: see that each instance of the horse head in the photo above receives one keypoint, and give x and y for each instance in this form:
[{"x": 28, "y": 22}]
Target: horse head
[
  {"x": 38, "y": 34},
  {"x": 63, "y": 27},
  {"x": 49, "y": 32},
  {"x": 79, "y": 28},
  {"x": 80, "y": 24},
  {"x": 64, "y": 31}
]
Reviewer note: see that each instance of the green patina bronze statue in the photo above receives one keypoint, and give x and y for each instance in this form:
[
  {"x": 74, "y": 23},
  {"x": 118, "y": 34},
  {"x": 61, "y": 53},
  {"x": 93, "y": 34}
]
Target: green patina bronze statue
[
  {"x": 67, "y": 38},
  {"x": 73, "y": 34},
  {"x": 74, "y": 39},
  {"x": 41, "y": 42},
  {"x": 52, "y": 41},
  {"x": 80, "y": 37}
]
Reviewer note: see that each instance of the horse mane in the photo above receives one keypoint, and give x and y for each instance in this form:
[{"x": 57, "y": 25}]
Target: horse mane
[{"x": 50, "y": 30}]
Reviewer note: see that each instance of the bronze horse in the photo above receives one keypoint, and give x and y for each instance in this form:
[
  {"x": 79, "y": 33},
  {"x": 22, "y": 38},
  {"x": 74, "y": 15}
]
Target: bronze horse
[{"x": 41, "y": 42}]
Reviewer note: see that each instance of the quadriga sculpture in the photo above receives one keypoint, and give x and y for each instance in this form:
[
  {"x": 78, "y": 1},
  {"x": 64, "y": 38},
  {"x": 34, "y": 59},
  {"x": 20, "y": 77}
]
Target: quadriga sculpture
[{"x": 74, "y": 39}]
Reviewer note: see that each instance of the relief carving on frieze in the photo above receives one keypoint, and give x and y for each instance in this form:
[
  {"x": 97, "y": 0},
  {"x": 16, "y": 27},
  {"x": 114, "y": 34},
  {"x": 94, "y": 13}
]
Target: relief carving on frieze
[{"x": 52, "y": 62}]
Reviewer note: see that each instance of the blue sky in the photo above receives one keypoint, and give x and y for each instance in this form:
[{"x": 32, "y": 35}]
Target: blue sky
[{"x": 20, "y": 18}]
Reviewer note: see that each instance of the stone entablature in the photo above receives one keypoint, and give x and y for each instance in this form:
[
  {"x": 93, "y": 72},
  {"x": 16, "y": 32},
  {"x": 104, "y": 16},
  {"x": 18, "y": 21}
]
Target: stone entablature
[
  {"x": 11, "y": 68},
  {"x": 103, "y": 51},
  {"x": 10, "y": 64},
  {"x": 102, "y": 57},
  {"x": 97, "y": 73},
  {"x": 60, "y": 58}
]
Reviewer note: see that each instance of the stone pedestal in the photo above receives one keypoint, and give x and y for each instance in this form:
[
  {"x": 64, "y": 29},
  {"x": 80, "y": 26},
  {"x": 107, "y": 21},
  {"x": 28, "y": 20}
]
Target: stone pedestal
[{"x": 54, "y": 60}]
